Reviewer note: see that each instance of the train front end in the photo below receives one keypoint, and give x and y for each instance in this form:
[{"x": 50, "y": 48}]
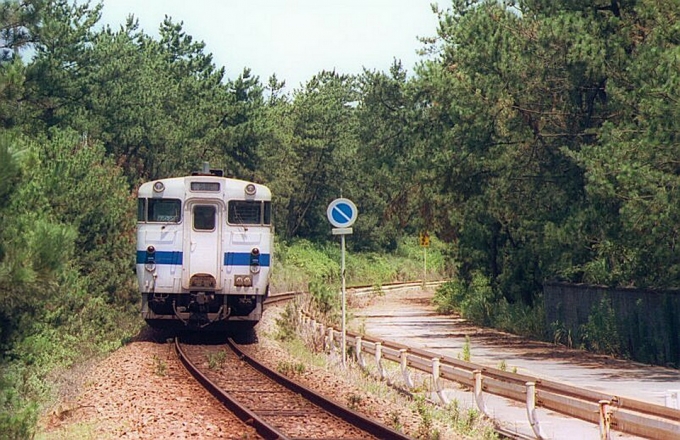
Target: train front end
[{"x": 204, "y": 252}]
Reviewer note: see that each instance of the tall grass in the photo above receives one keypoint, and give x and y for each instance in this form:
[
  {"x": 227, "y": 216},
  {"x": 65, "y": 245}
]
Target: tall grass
[{"x": 300, "y": 263}]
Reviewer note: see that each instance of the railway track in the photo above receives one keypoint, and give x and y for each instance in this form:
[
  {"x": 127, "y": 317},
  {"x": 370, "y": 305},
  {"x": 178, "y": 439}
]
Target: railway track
[{"x": 276, "y": 407}]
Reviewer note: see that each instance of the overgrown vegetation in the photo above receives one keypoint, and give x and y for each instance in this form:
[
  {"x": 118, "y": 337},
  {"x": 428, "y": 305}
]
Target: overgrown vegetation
[{"x": 477, "y": 302}]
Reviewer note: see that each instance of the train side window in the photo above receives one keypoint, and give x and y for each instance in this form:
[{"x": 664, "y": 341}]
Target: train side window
[
  {"x": 204, "y": 218},
  {"x": 245, "y": 212},
  {"x": 164, "y": 210},
  {"x": 141, "y": 210}
]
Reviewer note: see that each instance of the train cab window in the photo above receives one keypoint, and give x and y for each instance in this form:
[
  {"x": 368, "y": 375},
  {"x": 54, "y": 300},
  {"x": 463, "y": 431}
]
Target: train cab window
[
  {"x": 164, "y": 210},
  {"x": 141, "y": 210},
  {"x": 245, "y": 212},
  {"x": 204, "y": 218}
]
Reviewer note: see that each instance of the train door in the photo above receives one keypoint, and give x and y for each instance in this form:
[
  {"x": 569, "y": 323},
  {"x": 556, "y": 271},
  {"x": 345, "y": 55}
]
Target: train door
[{"x": 203, "y": 246}]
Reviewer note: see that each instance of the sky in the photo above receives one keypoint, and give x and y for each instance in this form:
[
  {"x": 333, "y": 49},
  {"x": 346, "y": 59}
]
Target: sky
[{"x": 295, "y": 39}]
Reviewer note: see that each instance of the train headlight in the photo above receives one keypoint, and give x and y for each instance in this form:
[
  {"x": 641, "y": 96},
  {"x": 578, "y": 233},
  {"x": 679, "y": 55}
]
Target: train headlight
[
  {"x": 158, "y": 187},
  {"x": 150, "y": 262},
  {"x": 255, "y": 260},
  {"x": 250, "y": 189},
  {"x": 243, "y": 281}
]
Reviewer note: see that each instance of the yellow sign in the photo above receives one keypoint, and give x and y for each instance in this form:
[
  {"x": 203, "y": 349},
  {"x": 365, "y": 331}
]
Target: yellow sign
[{"x": 424, "y": 239}]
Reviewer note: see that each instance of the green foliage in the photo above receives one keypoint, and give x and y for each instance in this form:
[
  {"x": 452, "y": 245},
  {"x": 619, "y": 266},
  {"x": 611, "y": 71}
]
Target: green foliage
[
  {"x": 160, "y": 367},
  {"x": 467, "y": 350},
  {"x": 600, "y": 333},
  {"x": 291, "y": 368},
  {"x": 314, "y": 262},
  {"x": 17, "y": 416},
  {"x": 300, "y": 262},
  {"x": 216, "y": 360},
  {"x": 311, "y": 141},
  {"x": 425, "y": 429},
  {"x": 287, "y": 322},
  {"x": 325, "y": 299},
  {"x": 474, "y": 300}
]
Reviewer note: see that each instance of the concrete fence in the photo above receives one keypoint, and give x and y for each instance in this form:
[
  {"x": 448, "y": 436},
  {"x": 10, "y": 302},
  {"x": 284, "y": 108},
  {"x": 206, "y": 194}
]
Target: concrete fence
[{"x": 641, "y": 324}]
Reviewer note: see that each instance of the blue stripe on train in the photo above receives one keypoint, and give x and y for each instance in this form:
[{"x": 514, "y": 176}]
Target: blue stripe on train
[
  {"x": 230, "y": 258},
  {"x": 161, "y": 257},
  {"x": 243, "y": 259}
]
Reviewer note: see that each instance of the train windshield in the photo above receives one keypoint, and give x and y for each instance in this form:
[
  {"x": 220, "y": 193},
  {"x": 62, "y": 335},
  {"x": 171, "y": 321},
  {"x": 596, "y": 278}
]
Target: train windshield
[
  {"x": 248, "y": 212},
  {"x": 164, "y": 210}
]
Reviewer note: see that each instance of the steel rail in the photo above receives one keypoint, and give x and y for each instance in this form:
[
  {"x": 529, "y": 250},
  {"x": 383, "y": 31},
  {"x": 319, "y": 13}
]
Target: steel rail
[
  {"x": 244, "y": 414},
  {"x": 280, "y": 297},
  {"x": 261, "y": 426},
  {"x": 370, "y": 426}
]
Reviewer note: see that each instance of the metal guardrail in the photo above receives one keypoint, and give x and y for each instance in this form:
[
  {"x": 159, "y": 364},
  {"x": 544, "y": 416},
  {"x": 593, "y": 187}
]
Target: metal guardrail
[{"x": 610, "y": 412}]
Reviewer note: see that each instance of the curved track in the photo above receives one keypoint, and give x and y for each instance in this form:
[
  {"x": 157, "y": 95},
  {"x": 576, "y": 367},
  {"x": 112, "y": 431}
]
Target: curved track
[{"x": 274, "y": 405}]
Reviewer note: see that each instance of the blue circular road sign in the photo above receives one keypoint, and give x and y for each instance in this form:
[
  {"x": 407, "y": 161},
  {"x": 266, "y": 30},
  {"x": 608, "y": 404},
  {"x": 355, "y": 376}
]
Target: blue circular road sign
[{"x": 342, "y": 213}]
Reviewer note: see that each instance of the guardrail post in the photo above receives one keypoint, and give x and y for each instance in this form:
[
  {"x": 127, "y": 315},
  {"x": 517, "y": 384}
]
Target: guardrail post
[
  {"x": 531, "y": 410},
  {"x": 321, "y": 336},
  {"x": 605, "y": 420},
  {"x": 360, "y": 355},
  {"x": 403, "y": 354},
  {"x": 331, "y": 344},
  {"x": 378, "y": 360},
  {"x": 437, "y": 384},
  {"x": 479, "y": 399},
  {"x": 672, "y": 399}
]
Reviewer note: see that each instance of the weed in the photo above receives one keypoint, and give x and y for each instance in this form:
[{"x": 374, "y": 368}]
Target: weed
[
  {"x": 362, "y": 327},
  {"x": 291, "y": 369},
  {"x": 503, "y": 366},
  {"x": 354, "y": 401},
  {"x": 426, "y": 429},
  {"x": 562, "y": 334},
  {"x": 160, "y": 367},
  {"x": 466, "y": 349},
  {"x": 216, "y": 360},
  {"x": 395, "y": 422}
]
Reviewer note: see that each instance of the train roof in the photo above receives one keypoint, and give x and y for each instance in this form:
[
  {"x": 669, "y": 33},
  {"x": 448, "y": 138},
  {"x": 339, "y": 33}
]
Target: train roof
[{"x": 180, "y": 187}]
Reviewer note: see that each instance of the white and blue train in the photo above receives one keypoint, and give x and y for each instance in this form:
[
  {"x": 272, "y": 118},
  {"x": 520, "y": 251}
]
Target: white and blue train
[{"x": 204, "y": 251}]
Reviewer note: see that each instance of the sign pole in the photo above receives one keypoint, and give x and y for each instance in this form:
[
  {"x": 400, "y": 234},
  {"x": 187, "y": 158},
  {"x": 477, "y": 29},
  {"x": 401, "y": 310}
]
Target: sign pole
[
  {"x": 425, "y": 266},
  {"x": 344, "y": 302},
  {"x": 341, "y": 214}
]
